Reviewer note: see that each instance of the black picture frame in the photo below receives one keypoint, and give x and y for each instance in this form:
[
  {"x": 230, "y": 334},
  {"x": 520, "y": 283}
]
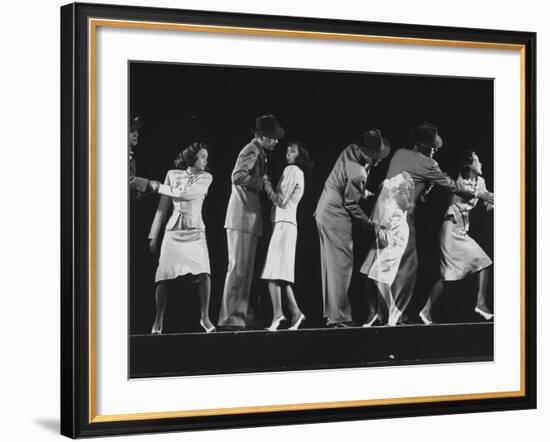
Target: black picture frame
[{"x": 78, "y": 417}]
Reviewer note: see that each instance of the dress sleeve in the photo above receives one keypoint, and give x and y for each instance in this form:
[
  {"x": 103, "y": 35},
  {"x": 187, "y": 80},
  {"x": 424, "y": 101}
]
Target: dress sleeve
[
  {"x": 162, "y": 211},
  {"x": 288, "y": 184},
  {"x": 192, "y": 190},
  {"x": 352, "y": 194},
  {"x": 483, "y": 188}
]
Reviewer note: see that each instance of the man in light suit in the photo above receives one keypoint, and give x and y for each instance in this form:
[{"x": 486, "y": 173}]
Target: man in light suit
[
  {"x": 337, "y": 210},
  {"x": 243, "y": 221}
]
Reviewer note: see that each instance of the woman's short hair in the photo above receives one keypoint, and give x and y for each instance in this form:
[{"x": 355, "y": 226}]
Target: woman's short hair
[
  {"x": 465, "y": 159},
  {"x": 188, "y": 156},
  {"x": 302, "y": 160}
]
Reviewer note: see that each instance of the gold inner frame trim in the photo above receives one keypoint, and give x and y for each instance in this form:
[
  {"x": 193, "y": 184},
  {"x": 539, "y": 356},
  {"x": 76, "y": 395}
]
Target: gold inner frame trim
[
  {"x": 264, "y": 32},
  {"x": 93, "y": 24},
  {"x": 523, "y": 191}
]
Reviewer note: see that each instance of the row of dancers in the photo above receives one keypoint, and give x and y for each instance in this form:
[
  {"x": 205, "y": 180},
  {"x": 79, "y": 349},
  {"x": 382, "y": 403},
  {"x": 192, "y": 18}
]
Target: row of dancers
[{"x": 391, "y": 262}]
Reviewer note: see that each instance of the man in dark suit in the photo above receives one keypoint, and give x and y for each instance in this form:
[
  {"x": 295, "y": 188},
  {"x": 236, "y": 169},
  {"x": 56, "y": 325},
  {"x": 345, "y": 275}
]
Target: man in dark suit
[
  {"x": 140, "y": 210},
  {"x": 138, "y": 185},
  {"x": 243, "y": 221}
]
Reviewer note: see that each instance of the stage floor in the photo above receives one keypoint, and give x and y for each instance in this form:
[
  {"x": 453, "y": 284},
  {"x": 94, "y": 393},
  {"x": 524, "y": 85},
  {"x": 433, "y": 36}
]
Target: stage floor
[{"x": 184, "y": 354}]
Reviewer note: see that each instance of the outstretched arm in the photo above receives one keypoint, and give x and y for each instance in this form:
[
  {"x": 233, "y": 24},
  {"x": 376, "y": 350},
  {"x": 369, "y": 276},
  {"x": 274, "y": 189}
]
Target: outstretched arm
[
  {"x": 160, "y": 214},
  {"x": 193, "y": 190},
  {"x": 488, "y": 204},
  {"x": 437, "y": 176},
  {"x": 139, "y": 184}
]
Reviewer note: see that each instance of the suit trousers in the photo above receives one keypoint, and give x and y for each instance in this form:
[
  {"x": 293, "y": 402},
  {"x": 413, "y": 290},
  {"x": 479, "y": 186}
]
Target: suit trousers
[
  {"x": 336, "y": 270},
  {"x": 241, "y": 253}
]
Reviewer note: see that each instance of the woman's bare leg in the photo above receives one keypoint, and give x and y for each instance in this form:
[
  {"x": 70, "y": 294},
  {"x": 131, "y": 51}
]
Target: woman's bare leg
[
  {"x": 371, "y": 293},
  {"x": 161, "y": 299},
  {"x": 274, "y": 288},
  {"x": 204, "y": 297},
  {"x": 426, "y": 312},
  {"x": 292, "y": 304},
  {"x": 482, "y": 281}
]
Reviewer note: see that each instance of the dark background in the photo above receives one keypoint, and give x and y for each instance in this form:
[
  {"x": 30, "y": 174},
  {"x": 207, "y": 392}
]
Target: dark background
[{"x": 327, "y": 110}]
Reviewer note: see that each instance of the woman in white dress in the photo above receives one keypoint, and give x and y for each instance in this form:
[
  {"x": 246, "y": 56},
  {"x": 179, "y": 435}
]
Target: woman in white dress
[
  {"x": 279, "y": 264},
  {"x": 184, "y": 250},
  {"x": 389, "y": 219},
  {"x": 460, "y": 254}
]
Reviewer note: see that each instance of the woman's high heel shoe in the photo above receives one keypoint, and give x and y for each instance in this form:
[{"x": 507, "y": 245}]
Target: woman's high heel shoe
[
  {"x": 375, "y": 319},
  {"x": 298, "y": 322},
  {"x": 425, "y": 319},
  {"x": 486, "y": 315},
  {"x": 276, "y": 323},
  {"x": 207, "y": 329},
  {"x": 157, "y": 328}
]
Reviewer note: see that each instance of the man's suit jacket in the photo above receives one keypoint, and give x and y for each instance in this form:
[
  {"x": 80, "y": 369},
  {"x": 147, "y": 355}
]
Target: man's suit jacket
[
  {"x": 338, "y": 206},
  {"x": 138, "y": 185},
  {"x": 244, "y": 211},
  {"x": 422, "y": 170}
]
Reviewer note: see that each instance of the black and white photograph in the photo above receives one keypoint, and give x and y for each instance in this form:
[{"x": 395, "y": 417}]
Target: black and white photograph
[
  {"x": 293, "y": 219},
  {"x": 272, "y": 217}
]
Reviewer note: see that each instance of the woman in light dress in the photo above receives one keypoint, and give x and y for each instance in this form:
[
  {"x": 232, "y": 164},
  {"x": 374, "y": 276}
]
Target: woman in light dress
[
  {"x": 184, "y": 250},
  {"x": 460, "y": 254},
  {"x": 279, "y": 264},
  {"x": 389, "y": 219}
]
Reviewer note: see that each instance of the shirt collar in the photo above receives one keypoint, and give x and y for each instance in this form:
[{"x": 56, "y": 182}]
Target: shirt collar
[
  {"x": 361, "y": 157},
  {"x": 255, "y": 142},
  {"x": 260, "y": 148}
]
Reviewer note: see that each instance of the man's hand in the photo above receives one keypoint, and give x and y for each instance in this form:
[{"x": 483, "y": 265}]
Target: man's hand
[
  {"x": 367, "y": 194},
  {"x": 153, "y": 245},
  {"x": 486, "y": 196},
  {"x": 382, "y": 235}
]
